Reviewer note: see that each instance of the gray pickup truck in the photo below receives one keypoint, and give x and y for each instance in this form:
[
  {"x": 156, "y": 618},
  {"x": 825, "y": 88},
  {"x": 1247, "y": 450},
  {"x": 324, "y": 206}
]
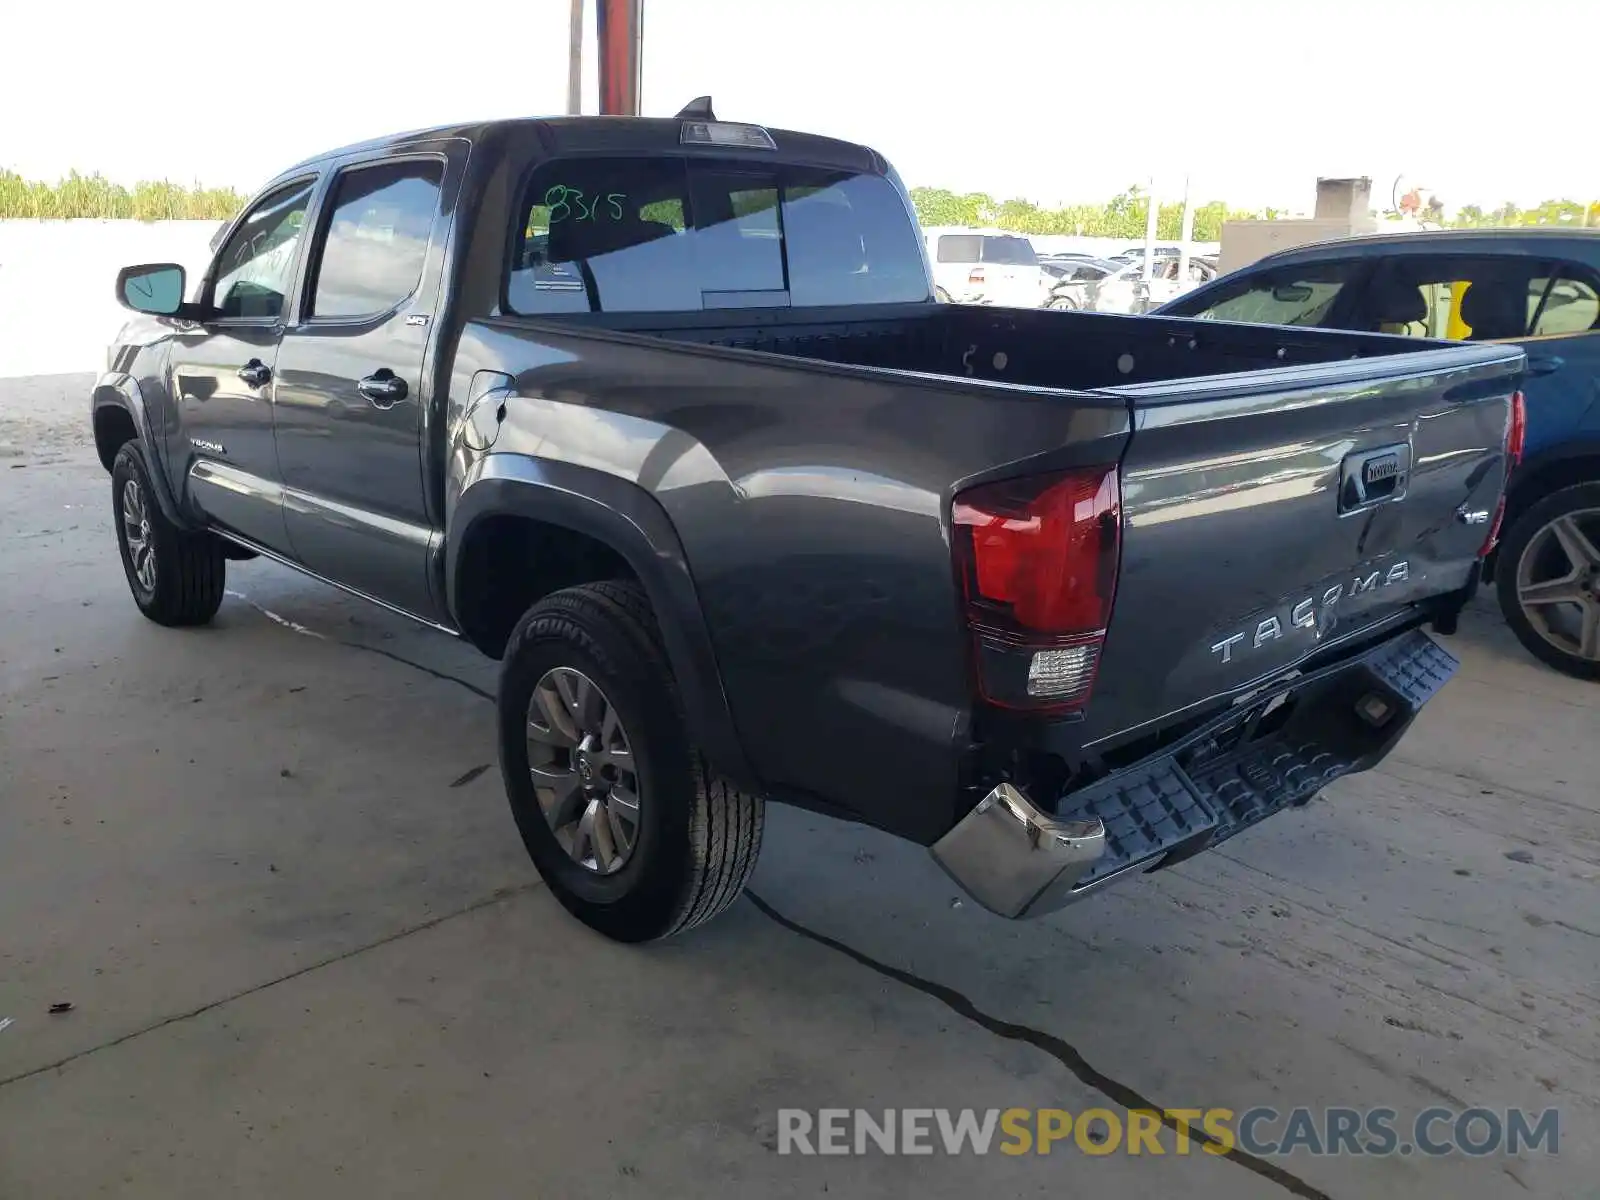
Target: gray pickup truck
[{"x": 663, "y": 415}]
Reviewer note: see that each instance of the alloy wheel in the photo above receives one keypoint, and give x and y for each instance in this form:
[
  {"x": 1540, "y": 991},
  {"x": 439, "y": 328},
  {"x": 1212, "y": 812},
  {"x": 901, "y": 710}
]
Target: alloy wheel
[
  {"x": 136, "y": 529},
  {"x": 583, "y": 770},
  {"x": 1558, "y": 583}
]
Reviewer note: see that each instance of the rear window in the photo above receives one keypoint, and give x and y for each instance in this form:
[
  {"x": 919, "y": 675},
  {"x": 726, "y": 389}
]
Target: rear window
[
  {"x": 672, "y": 235},
  {"x": 1009, "y": 252}
]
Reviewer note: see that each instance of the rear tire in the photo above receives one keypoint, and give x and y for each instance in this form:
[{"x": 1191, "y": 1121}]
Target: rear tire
[
  {"x": 176, "y": 577},
  {"x": 593, "y": 654},
  {"x": 1555, "y": 545}
]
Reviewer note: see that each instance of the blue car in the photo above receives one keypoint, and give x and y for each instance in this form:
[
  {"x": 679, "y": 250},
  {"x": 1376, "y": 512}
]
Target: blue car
[{"x": 1535, "y": 288}]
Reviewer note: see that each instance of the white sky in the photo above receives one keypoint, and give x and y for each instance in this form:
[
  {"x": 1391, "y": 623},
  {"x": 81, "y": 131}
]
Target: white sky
[{"x": 1481, "y": 100}]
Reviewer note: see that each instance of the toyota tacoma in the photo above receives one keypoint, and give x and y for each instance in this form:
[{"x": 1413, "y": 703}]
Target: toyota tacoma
[{"x": 663, "y": 414}]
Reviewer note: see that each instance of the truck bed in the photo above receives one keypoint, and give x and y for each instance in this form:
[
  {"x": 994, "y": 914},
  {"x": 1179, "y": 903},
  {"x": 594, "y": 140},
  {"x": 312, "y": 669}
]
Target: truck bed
[
  {"x": 1039, "y": 348},
  {"x": 812, "y": 483}
]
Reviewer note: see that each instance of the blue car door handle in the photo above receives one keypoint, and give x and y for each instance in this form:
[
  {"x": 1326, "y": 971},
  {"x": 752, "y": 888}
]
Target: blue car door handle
[{"x": 1545, "y": 365}]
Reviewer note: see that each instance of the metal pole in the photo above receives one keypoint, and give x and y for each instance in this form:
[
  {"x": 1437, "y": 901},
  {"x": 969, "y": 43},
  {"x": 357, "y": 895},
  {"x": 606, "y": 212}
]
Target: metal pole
[
  {"x": 620, "y": 24},
  {"x": 575, "y": 61},
  {"x": 1153, "y": 211},
  {"x": 1185, "y": 235}
]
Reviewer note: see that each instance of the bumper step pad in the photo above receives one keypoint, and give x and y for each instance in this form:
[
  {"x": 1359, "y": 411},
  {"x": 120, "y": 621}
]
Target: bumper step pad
[{"x": 1159, "y": 807}]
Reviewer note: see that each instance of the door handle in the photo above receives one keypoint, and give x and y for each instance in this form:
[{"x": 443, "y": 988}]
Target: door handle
[
  {"x": 1545, "y": 365},
  {"x": 383, "y": 388},
  {"x": 256, "y": 373}
]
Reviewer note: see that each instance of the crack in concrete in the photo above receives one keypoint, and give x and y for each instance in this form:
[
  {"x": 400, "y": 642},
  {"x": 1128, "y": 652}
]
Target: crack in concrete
[
  {"x": 392, "y": 656},
  {"x": 1058, "y": 1049},
  {"x": 493, "y": 898},
  {"x": 305, "y": 631}
]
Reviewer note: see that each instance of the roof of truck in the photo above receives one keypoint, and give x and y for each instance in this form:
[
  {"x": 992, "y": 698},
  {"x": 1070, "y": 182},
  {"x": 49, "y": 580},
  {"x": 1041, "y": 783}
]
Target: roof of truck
[{"x": 622, "y": 135}]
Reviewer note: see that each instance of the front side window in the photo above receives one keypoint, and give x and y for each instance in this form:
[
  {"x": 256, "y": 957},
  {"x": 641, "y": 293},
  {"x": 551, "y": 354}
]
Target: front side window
[
  {"x": 671, "y": 234},
  {"x": 254, "y": 270},
  {"x": 1452, "y": 297},
  {"x": 1285, "y": 296},
  {"x": 1564, "y": 304},
  {"x": 377, "y": 238}
]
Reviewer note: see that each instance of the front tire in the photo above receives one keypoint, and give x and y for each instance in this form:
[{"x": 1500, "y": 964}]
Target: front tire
[
  {"x": 176, "y": 576},
  {"x": 623, "y": 818},
  {"x": 1547, "y": 576}
]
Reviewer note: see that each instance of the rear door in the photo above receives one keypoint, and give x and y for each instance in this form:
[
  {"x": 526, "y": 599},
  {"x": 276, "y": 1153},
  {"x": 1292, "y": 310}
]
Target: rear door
[
  {"x": 1011, "y": 274},
  {"x": 1563, "y": 346},
  {"x": 352, "y": 387},
  {"x": 955, "y": 259}
]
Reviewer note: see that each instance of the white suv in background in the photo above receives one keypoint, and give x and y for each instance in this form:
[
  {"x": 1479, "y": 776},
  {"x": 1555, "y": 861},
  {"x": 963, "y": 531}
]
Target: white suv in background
[{"x": 982, "y": 266}]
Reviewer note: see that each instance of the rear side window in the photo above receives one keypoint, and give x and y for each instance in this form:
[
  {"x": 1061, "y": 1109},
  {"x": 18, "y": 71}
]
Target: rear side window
[
  {"x": 683, "y": 235},
  {"x": 1564, "y": 304},
  {"x": 959, "y": 247},
  {"x": 1286, "y": 296},
  {"x": 1009, "y": 252},
  {"x": 377, "y": 238}
]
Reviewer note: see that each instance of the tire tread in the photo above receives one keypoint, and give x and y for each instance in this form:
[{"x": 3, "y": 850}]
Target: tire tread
[
  {"x": 191, "y": 567},
  {"x": 725, "y": 824}
]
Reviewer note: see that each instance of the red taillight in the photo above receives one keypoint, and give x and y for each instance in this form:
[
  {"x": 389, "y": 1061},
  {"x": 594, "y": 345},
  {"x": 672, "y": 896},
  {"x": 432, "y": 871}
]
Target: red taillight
[
  {"x": 1038, "y": 560},
  {"x": 1516, "y": 429},
  {"x": 1516, "y": 436},
  {"x": 1493, "y": 539}
]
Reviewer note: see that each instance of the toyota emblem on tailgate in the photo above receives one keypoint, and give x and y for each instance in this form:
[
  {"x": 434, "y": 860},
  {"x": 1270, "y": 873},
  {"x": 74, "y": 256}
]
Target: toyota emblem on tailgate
[{"x": 1371, "y": 477}]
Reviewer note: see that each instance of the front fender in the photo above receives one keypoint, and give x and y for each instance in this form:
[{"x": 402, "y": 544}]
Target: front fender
[
  {"x": 628, "y": 519},
  {"x": 121, "y": 390}
]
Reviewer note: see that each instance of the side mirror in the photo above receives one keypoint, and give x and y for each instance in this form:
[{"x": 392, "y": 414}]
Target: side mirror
[
  {"x": 1291, "y": 293},
  {"x": 155, "y": 288}
]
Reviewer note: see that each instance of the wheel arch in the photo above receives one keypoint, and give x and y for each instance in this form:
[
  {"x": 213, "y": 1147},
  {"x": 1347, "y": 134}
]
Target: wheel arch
[
  {"x": 1562, "y": 466},
  {"x": 587, "y": 518},
  {"x": 1544, "y": 474},
  {"x": 119, "y": 415}
]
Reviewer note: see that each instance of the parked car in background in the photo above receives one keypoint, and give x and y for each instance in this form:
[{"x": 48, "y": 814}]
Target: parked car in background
[
  {"x": 1539, "y": 289},
  {"x": 1077, "y": 266},
  {"x": 988, "y": 267},
  {"x": 1062, "y": 259},
  {"x": 1126, "y": 290},
  {"x": 1136, "y": 253},
  {"x": 1071, "y": 281}
]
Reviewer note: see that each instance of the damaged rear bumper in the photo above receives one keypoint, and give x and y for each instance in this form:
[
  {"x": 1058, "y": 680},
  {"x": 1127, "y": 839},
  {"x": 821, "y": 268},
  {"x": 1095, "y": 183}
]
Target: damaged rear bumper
[{"x": 1020, "y": 859}]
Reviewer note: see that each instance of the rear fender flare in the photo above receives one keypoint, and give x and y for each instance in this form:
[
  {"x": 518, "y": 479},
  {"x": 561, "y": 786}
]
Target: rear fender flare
[{"x": 626, "y": 518}]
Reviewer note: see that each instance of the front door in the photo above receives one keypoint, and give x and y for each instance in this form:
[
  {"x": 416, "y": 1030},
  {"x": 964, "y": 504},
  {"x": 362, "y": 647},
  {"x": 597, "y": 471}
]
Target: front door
[
  {"x": 351, "y": 392},
  {"x": 222, "y": 371}
]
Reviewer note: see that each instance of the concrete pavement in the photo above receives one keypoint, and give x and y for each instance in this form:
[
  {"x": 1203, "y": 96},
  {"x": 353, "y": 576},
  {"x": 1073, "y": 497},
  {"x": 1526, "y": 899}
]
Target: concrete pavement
[{"x": 270, "y": 865}]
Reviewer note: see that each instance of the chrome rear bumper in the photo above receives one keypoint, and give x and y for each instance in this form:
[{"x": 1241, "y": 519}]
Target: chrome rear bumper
[
  {"x": 1241, "y": 768},
  {"x": 1015, "y": 860}
]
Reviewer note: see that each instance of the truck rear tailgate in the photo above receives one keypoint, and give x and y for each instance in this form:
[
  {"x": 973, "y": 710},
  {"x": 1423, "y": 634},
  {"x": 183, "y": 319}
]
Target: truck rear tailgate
[{"x": 1270, "y": 515}]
